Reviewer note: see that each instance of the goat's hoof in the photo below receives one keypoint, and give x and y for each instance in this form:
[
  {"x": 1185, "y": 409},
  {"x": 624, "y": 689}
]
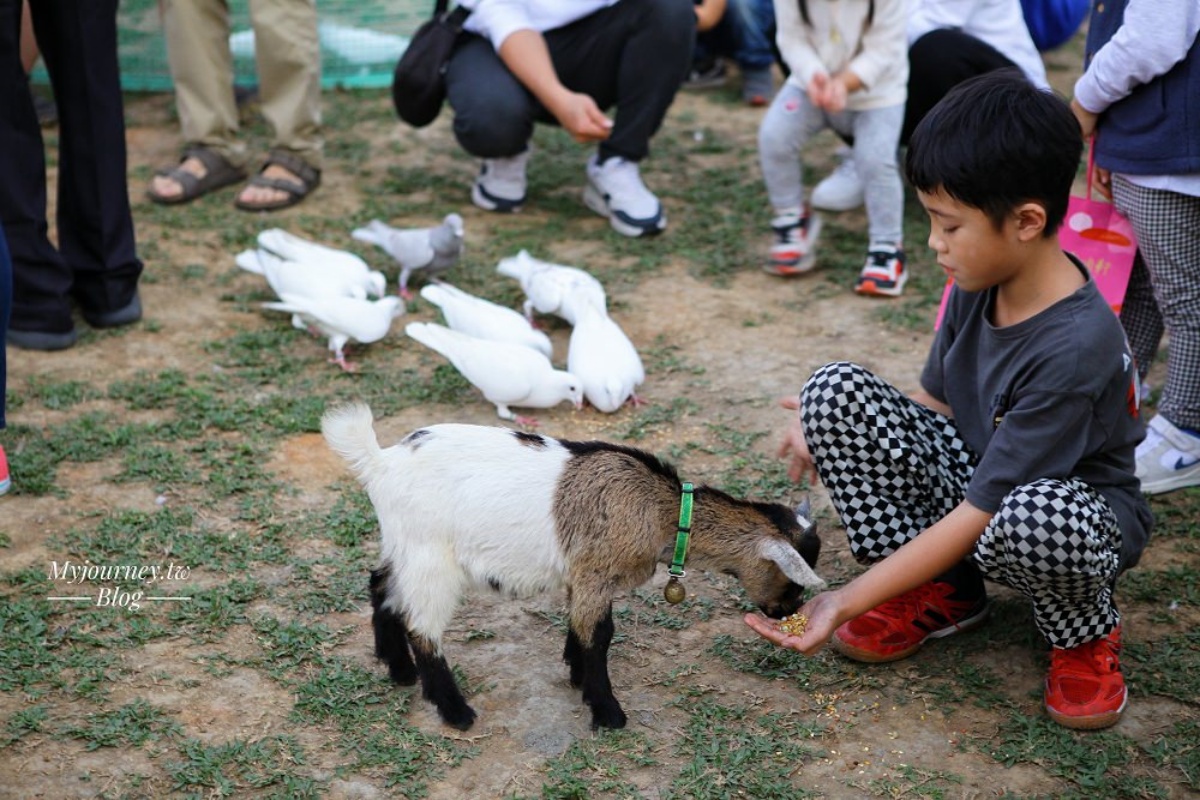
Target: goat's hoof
[
  {"x": 461, "y": 718},
  {"x": 612, "y": 718}
]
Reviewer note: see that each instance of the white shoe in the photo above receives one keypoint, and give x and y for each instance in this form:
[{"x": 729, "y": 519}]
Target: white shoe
[
  {"x": 1168, "y": 458},
  {"x": 615, "y": 190},
  {"x": 500, "y": 185},
  {"x": 842, "y": 189}
]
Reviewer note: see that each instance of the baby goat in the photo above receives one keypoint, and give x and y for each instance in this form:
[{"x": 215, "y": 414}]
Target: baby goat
[{"x": 466, "y": 505}]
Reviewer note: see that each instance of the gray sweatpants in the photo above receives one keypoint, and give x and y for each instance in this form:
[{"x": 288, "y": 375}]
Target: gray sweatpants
[{"x": 789, "y": 124}]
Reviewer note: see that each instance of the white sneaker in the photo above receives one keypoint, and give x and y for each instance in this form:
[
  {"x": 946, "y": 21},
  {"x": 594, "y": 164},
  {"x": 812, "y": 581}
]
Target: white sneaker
[
  {"x": 615, "y": 190},
  {"x": 842, "y": 189},
  {"x": 500, "y": 185},
  {"x": 1168, "y": 458}
]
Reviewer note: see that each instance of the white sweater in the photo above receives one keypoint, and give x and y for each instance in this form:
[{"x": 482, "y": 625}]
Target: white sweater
[
  {"x": 498, "y": 19},
  {"x": 999, "y": 23},
  {"x": 839, "y": 38}
]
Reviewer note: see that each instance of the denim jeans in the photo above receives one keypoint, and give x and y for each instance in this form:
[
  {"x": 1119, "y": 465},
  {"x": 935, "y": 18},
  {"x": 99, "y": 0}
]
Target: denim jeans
[{"x": 746, "y": 33}]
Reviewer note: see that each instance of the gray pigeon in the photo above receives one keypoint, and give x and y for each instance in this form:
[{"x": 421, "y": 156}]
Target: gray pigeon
[{"x": 429, "y": 250}]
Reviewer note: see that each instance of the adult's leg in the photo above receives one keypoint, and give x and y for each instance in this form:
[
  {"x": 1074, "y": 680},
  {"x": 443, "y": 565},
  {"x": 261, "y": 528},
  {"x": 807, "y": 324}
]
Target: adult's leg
[
  {"x": 633, "y": 55},
  {"x": 1141, "y": 318},
  {"x": 41, "y": 280},
  {"x": 939, "y": 61},
  {"x": 95, "y": 224},
  {"x": 753, "y": 24},
  {"x": 201, "y": 63},
  {"x": 288, "y": 56},
  {"x": 1167, "y": 227},
  {"x": 493, "y": 112},
  {"x": 5, "y": 309}
]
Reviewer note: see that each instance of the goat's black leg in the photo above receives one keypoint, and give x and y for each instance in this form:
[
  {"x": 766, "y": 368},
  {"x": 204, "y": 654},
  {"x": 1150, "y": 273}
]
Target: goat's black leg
[
  {"x": 597, "y": 689},
  {"x": 391, "y": 634},
  {"x": 438, "y": 686},
  {"x": 573, "y": 655}
]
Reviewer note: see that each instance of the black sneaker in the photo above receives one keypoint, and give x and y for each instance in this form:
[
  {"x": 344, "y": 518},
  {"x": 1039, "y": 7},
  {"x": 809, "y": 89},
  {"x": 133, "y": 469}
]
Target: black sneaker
[{"x": 706, "y": 75}]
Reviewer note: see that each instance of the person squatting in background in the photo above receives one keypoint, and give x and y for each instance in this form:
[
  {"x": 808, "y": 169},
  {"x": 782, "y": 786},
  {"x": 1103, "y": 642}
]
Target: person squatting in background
[
  {"x": 559, "y": 63},
  {"x": 949, "y": 41},
  {"x": 848, "y": 68},
  {"x": 1140, "y": 97}
]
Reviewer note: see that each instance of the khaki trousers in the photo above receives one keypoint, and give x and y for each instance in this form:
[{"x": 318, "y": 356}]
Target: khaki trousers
[{"x": 288, "y": 59}]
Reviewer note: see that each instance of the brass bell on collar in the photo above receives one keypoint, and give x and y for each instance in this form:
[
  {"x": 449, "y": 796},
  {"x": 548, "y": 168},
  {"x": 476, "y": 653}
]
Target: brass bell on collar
[{"x": 674, "y": 591}]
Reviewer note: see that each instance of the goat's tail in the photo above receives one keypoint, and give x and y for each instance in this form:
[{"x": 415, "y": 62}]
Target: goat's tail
[{"x": 348, "y": 430}]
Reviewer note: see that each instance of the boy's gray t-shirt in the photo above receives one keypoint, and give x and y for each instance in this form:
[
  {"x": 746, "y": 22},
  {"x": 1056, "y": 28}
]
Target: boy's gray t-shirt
[{"x": 1054, "y": 396}]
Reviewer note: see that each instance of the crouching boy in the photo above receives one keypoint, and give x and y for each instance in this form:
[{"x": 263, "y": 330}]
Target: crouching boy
[{"x": 1015, "y": 460}]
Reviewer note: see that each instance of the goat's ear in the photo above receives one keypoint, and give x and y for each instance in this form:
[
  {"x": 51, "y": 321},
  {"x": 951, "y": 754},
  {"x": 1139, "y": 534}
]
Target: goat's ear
[
  {"x": 804, "y": 516},
  {"x": 790, "y": 562}
]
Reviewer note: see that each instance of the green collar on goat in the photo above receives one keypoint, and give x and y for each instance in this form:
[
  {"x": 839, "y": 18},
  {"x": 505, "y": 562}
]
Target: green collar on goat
[{"x": 674, "y": 591}]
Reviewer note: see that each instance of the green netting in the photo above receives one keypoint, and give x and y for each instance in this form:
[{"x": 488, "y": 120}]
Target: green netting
[{"x": 360, "y": 42}]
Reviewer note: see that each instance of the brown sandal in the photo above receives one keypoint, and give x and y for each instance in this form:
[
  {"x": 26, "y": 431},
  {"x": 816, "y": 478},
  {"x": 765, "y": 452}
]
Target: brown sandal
[
  {"x": 307, "y": 178},
  {"x": 219, "y": 172}
]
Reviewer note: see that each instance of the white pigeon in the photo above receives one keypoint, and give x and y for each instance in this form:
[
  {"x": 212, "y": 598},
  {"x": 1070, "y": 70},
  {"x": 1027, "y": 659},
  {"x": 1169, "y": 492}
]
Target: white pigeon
[
  {"x": 310, "y": 278},
  {"x": 291, "y": 247},
  {"x": 507, "y": 374},
  {"x": 430, "y": 250},
  {"x": 342, "y": 319},
  {"x": 483, "y": 319},
  {"x": 552, "y": 288},
  {"x": 603, "y": 358},
  {"x": 361, "y": 46}
]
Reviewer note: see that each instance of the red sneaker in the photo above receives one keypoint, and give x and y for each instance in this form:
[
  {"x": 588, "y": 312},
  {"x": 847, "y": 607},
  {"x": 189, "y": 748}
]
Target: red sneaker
[
  {"x": 1084, "y": 687},
  {"x": 897, "y": 629},
  {"x": 5, "y": 481}
]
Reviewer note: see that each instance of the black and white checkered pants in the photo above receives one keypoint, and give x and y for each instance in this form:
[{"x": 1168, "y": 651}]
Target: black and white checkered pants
[
  {"x": 894, "y": 467},
  {"x": 1164, "y": 292}
]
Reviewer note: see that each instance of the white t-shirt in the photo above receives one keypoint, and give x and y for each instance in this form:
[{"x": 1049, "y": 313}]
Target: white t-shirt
[
  {"x": 999, "y": 23},
  {"x": 499, "y": 19}
]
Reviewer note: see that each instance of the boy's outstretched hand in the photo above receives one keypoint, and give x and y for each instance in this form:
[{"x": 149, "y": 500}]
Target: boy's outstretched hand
[{"x": 823, "y": 620}]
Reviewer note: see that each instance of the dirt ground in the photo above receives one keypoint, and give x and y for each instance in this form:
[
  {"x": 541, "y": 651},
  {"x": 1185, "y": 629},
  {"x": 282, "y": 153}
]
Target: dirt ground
[{"x": 734, "y": 348}]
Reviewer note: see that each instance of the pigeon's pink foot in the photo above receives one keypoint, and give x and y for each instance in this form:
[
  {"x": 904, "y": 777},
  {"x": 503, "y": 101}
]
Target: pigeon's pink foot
[
  {"x": 525, "y": 422},
  {"x": 636, "y": 401},
  {"x": 346, "y": 365},
  {"x": 405, "y": 294}
]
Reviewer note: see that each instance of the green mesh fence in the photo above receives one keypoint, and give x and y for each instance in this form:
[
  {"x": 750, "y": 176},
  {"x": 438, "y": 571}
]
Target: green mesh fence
[{"x": 360, "y": 42}]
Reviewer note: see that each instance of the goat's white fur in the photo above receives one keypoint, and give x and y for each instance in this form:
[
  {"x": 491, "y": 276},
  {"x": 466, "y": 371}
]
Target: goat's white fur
[{"x": 464, "y": 489}]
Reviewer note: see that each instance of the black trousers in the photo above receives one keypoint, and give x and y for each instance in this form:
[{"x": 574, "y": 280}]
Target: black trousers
[
  {"x": 96, "y": 260},
  {"x": 939, "y": 61},
  {"x": 633, "y": 55}
]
